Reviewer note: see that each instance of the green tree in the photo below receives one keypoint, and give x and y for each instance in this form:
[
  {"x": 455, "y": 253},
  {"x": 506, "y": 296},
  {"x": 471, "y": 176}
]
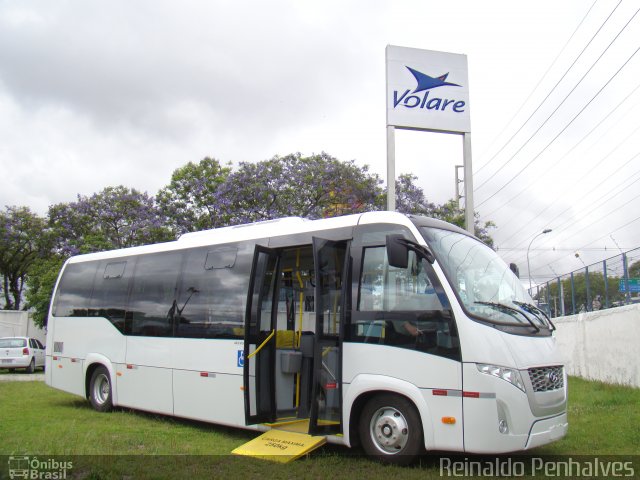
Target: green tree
[
  {"x": 23, "y": 239},
  {"x": 583, "y": 302},
  {"x": 634, "y": 270},
  {"x": 192, "y": 200},
  {"x": 41, "y": 282},
  {"x": 452, "y": 213}
]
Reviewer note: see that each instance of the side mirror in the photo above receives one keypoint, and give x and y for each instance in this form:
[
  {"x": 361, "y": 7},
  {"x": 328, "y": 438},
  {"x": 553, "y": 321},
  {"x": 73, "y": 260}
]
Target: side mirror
[
  {"x": 397, "y": 251},
  {"x": 514, "y": 268}
]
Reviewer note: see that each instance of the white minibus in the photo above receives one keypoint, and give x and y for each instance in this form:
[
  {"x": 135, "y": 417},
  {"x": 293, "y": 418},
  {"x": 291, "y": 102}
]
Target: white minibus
[{"x": 399, "y": 333}]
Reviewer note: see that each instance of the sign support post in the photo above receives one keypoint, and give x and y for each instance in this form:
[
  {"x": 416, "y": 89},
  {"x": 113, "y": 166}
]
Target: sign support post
[{"x": 391, "y": 168}]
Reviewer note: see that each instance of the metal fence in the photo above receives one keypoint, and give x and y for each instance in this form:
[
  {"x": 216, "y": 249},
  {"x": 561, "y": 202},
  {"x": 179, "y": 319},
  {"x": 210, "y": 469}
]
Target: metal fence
[{"x": 610, "y": 283}]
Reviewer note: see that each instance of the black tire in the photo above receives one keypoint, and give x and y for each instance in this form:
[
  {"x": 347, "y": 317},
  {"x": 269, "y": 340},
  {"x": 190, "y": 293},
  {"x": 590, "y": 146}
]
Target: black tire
[
  {"x": 32, "y": 366},
  {"x": 390, "y": 429},
  {"x": 100, "y": 392}
]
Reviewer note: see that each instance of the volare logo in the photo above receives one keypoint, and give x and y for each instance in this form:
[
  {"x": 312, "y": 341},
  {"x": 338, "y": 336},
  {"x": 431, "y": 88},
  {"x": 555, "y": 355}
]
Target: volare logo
[{"x": 426, "y": 83}]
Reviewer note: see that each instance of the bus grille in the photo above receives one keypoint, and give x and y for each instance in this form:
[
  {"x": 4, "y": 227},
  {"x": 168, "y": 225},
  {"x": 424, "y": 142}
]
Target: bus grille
[{"x": 545, "y": 379}]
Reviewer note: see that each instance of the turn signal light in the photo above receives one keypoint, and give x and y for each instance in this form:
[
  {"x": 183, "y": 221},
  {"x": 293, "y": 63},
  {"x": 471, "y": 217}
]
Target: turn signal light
[{"x": 449, "y": 420}]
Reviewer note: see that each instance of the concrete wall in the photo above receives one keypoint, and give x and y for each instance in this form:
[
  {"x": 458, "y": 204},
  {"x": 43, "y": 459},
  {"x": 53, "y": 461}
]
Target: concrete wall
[
  {"x": 602, "y": 345},
  {"x": 19, "y": 324}
]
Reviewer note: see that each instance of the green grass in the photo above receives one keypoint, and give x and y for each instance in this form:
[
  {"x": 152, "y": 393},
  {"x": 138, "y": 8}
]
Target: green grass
[{"x": 38, "y": 420}]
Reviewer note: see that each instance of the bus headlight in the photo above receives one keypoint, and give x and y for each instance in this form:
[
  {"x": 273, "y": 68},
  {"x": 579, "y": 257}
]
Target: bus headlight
[{"x": 509, "y": 374}]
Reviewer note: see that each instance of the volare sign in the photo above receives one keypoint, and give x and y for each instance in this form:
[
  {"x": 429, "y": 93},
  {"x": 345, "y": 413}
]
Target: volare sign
[{"x": 427, "y": 90}]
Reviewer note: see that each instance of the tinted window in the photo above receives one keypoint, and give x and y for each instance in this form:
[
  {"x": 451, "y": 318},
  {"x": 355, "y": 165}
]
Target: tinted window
[
  {"x": 224, "y": 257},
  {"x": 40, "y": 346},
  {"x": 403, "y": 307},
  {"x": 114, "y": 270},
  {"x": 75, "y": 289},
  {"x": 213, "y": 292},
  {"x": 111, "y": 291},
  {"x": 153, "y": 301}
]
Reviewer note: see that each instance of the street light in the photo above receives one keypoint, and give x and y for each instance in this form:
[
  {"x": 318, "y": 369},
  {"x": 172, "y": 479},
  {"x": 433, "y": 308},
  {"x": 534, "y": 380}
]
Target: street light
[{"x": 546, "y": 230}]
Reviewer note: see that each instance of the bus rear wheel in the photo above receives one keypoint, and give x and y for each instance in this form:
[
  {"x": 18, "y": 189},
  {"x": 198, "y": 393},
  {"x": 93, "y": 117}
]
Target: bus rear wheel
[
  {"x": 100, "y": 390},
  {"x": 390, "y": 429}
]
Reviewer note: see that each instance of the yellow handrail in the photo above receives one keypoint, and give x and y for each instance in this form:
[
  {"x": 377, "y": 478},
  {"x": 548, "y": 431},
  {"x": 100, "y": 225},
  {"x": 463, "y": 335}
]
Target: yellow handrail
[{"x": 253, "y": 354}]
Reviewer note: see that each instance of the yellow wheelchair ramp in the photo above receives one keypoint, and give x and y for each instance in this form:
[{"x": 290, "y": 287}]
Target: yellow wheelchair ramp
[{"x": 280, "y": 446}]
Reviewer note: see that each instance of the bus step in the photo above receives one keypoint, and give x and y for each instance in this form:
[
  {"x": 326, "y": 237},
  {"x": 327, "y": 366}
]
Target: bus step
[{"x": 280, "y": 446}]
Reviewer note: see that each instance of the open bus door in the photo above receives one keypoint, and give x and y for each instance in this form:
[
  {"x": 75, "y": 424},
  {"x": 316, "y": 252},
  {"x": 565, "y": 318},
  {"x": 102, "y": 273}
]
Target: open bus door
[
  {"x": 331, "y": 261},
  {"x": 260, "y": 339}
]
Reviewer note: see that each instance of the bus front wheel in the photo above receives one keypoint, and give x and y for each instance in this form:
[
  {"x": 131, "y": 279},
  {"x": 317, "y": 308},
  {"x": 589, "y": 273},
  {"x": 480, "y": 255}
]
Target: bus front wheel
[
  {"x": 100, "y": 390},
  {"x": 390, "y": 429}
]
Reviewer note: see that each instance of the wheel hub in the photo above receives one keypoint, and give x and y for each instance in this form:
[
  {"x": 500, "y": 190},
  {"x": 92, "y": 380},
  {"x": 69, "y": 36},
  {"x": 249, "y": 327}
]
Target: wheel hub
[
  {"x": 101, "y": 389},
  {"x": 389, "y": 430}
]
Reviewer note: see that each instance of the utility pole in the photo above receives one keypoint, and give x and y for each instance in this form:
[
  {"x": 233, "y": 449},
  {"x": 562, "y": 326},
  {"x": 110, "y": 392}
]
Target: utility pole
[
  {"x": 468, "y": 184},
  {"x": 458, "y": 182}
]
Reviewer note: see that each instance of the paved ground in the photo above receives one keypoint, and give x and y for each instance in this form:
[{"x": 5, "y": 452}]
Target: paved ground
[{"x": 22, "y": 376}]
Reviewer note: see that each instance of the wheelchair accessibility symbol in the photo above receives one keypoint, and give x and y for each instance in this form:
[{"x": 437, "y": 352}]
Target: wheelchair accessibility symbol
[{"x": 241, "y": 358}]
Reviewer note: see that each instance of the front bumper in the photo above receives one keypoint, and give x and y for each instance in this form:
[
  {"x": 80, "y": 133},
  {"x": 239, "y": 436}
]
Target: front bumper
[{"x": 547, "y": 431}]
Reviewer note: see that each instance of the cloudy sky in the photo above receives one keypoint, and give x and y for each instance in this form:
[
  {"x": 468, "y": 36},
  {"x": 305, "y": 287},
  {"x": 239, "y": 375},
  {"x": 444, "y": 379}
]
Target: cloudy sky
[{"x": 94, "y": 94}]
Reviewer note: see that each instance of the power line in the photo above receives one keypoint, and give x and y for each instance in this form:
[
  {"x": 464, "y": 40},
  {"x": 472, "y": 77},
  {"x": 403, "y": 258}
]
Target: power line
[
  {"x": 612, "y": 231},
  {"x": 596, "y": 201},
  {"x": 536, "y": 87},
  {"x": 567, "y": 209},
  {"x": 565, "y": 127},
  {"x": 594, "y": 241},
  {"x": 593, "y": 203},
  {"x": 551, "y": 91},
  {"x": 593, "y": 222},
  {"x": 585, "y": 175},
  {"x": 566, "y": 155}
]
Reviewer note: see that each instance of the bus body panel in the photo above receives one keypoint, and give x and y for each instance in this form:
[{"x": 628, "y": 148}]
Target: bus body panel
[
  {"x": 415, "y": 375},
  {"x": 415, "y": 367},
  {"x": 215, "y": 398},
  {"x": 75, "y": 338},
  {"x": 66, "y": 375}
]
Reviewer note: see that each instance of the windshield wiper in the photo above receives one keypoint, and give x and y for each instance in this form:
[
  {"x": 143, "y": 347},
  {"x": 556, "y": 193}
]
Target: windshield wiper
[
  {"x": 502, "y": 306},
  {"x": 531, "y": 308}
]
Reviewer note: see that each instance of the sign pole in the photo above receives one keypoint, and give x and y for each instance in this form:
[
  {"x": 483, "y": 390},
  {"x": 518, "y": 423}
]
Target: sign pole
[
  {"x": 391, "y": 168},
  {"x": 469, "y": 220}
]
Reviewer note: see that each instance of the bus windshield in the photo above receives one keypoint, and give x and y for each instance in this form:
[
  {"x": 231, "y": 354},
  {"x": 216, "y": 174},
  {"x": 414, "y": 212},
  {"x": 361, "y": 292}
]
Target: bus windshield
[{"x": 485, "y": 285}]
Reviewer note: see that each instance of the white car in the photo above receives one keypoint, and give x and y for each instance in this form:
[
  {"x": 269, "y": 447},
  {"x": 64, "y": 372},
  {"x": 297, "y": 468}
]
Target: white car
[{"x": 21, "y": 352}]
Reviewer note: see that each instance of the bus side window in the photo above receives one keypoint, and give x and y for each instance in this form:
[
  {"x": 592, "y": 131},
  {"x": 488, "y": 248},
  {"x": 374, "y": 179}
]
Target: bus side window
[
  {"x": 75, "y": 290},
  {"x": 403, "y": 307},
  {"x": 213, "y": 291},
  {"x": 109, "y": 299},
  {"x": 153, "y": 295}
]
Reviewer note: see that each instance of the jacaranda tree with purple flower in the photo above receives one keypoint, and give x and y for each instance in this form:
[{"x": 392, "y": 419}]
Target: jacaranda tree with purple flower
[
  {"x": 116, "y": 217},
  {"x": 313, "y": 187}
]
